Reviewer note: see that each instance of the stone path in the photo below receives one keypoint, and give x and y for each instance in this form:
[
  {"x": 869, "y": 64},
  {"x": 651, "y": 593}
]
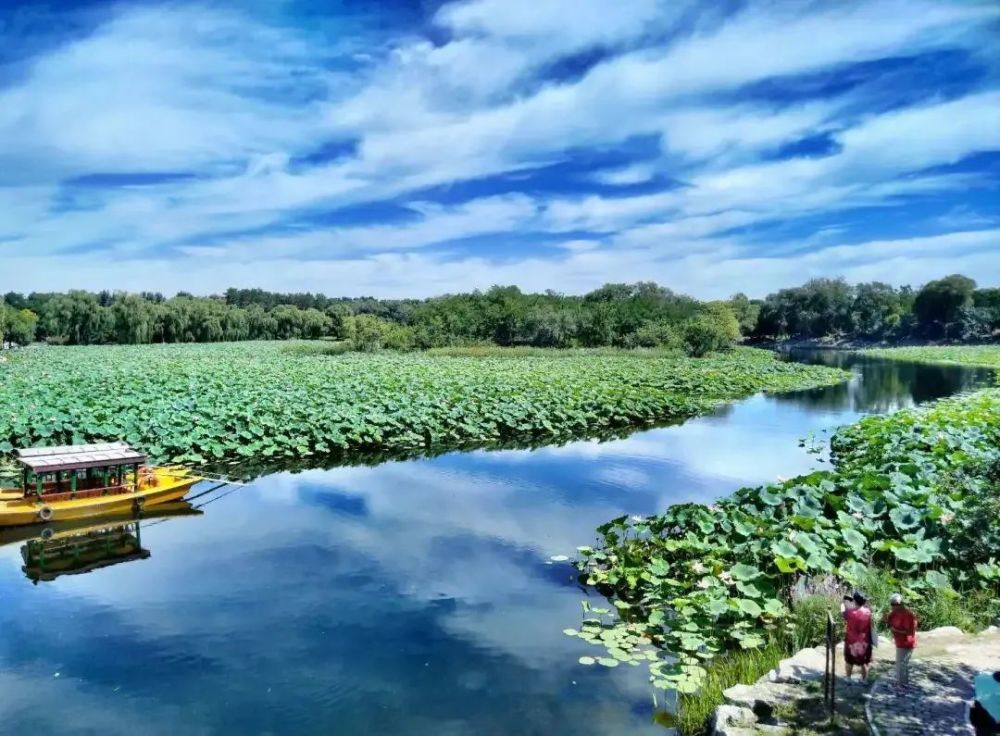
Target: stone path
[
  {"x": 940, "y": 686},
  {"x": 789, "y": 699}
]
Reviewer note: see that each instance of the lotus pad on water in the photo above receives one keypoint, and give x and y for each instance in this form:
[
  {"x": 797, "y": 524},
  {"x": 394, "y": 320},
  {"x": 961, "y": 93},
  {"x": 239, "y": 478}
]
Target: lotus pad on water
[{"x": 204, "y": 403}]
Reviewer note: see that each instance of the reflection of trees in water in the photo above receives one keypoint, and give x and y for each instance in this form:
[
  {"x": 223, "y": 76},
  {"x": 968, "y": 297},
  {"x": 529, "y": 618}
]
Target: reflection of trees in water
[{"x": 882, "y": 385}]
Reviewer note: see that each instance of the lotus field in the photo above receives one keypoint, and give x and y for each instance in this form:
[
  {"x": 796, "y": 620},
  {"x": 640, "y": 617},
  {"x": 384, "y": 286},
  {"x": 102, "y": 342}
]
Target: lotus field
[
  {"x": 275, "y": 400},
  {"x": 915, "y": 495}
]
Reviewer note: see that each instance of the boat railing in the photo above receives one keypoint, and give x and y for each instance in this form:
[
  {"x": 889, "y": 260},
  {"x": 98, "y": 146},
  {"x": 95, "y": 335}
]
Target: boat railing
[
  {"x": 113, "y": 490},
  {"x": 102, "y": 537}
]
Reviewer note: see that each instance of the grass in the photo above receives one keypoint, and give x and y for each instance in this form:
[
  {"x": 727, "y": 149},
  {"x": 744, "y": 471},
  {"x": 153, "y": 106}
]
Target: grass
[
  {"x": 744, "y": 666},
  {"x": 971, "y": 611},
  {"x": 809, "y": 716},
  {"x": 809, "y": 619}
]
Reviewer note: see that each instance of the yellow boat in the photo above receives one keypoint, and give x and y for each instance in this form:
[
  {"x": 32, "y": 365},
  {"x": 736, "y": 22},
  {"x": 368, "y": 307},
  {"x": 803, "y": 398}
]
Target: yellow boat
[{"x": 82, "y": 481}]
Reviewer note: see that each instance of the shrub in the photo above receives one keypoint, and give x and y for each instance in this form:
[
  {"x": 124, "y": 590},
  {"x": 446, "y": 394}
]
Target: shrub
[
  {"x": 715, "y": 328},
  {"x": 970, "y": 610},
  {"x": 811, "y": 601},
  {"x": 367, "y": 333},
  {"x": 656, "y": 334}
]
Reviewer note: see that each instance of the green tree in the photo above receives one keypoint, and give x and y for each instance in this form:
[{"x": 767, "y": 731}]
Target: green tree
[
  {"x": 937, "y": 304},
  {"x": 21, "y": 326},
  {"x": 14, "y": 300},
  {"x": 988, "y": 300},
  {"x": 877, "y": 308},
  {"x": 549, "y": 327},
  {"x": 76, "y": 318},
  {"x": 133, "y": 319},
  {"x": 652, "y": 335},
  {"x": 714, "y": 329},
  {"x": 315, "y": 324},
  {"x": 747, "y": 311},
  {"x": 368, "y": 333}
]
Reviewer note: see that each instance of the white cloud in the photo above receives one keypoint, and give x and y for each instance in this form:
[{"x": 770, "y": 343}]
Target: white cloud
[
  {"x": 634, "y": 174},
  {"x": 563, "y": 23},
  {"x": 580, "y": 246},
  {"x": 867, "y": 171},
  {"x": 436, "y": 224},
  {"x": 157, "y": 89},
  {"x": 238, "y": 102},
  {"x": 710, "y": 268},
  {"x": 714, "y": 134}
]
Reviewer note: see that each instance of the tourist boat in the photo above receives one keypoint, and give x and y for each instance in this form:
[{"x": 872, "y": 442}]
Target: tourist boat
[{"x": 81, "y": 481}]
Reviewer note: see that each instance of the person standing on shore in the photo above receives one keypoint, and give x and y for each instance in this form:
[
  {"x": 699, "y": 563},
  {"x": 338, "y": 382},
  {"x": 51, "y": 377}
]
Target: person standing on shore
[
  {"x": 903, "y": 624},
  {"x": 857, "y": 635}
]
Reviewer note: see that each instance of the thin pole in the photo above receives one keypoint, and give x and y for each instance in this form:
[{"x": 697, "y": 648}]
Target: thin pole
[{"x": 833, "y": 665}]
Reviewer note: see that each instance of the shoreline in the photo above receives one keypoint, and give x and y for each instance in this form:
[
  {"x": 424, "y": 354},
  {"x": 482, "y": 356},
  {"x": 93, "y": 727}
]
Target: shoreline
[
  {"x": 774, "y": 534},
  {"x": 788, "y": 698},
  {"x": 826, "y": 343}
]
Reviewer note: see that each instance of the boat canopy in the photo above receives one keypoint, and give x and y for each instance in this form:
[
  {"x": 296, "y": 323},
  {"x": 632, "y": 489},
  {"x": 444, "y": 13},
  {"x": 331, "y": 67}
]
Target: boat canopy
[{"x": 41, "y": 460}]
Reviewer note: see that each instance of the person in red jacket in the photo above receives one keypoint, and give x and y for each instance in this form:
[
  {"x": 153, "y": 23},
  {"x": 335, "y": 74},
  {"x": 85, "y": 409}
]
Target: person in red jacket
[{"x": 903, "y": 624}]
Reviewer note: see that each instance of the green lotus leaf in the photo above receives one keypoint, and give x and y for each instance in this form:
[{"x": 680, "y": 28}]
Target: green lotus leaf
[
  {"x": 741, "y": 571},
  {"x": 716, "y": 607},
  {"x": 937, "y": 579},
  {"x": 750, "y": 607},
  {"x": 774, "y": 607},
  {"x": 856, "y": 540},
  {"x": 749, "y": 590},
  {"x": 789, "y": 564},
  {"x": 784, "y": 548},
  {"x": 771, "y": 498},
  {"x": 905, "y": 517}
]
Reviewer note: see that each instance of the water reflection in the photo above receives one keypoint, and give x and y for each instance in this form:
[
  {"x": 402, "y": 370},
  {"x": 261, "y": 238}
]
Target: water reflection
[
  {"x": 74, "y": 548},
  {"x": 387, "y": 600},
  {"x": 881, "y": 386},
  {"x": 412, "y": 597}
]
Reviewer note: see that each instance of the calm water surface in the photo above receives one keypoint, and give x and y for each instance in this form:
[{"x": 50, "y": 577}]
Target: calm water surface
[{"x": 414, "y": 597}]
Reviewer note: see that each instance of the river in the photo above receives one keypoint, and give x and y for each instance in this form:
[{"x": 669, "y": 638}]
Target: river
[{"x": 415, "y": 597}]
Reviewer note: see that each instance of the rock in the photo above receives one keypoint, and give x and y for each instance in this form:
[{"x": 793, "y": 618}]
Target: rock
[
  {"x": 732, "y": 720},
  {"x": 940, "y": 631},
  {"x": 805, "y": 665},
  {"x": 762, "y": 696},
  {"x": 763, "y": 710},
  {"x": 773, "y": 730},
  {"x": 737, "y": 731}
]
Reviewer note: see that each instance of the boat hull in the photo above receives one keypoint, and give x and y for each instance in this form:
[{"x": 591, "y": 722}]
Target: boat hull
[{"x": 170, "y": 485}]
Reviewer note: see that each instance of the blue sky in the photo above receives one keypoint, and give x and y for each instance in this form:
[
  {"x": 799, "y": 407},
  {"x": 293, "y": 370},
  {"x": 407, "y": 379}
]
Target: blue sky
[{"x": 417, "y": 148}]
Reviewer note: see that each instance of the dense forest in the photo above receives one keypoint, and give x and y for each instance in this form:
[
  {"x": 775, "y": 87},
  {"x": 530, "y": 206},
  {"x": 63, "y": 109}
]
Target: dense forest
[
  {"x": 622, "y": 315},
  {"x": 629, "y": 315},
  {"x": 951, "y": 308}
]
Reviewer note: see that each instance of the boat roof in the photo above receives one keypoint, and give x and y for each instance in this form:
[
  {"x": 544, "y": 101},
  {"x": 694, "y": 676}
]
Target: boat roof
[
  {"x": 38, "y": 573},
  {"x": 79, "y": 457}
]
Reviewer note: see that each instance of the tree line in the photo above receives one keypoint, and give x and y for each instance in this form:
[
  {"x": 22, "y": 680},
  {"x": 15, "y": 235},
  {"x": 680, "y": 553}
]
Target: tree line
[
  {"x": 623, "y": 315},
  {"x": 951, "y": 308}
]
